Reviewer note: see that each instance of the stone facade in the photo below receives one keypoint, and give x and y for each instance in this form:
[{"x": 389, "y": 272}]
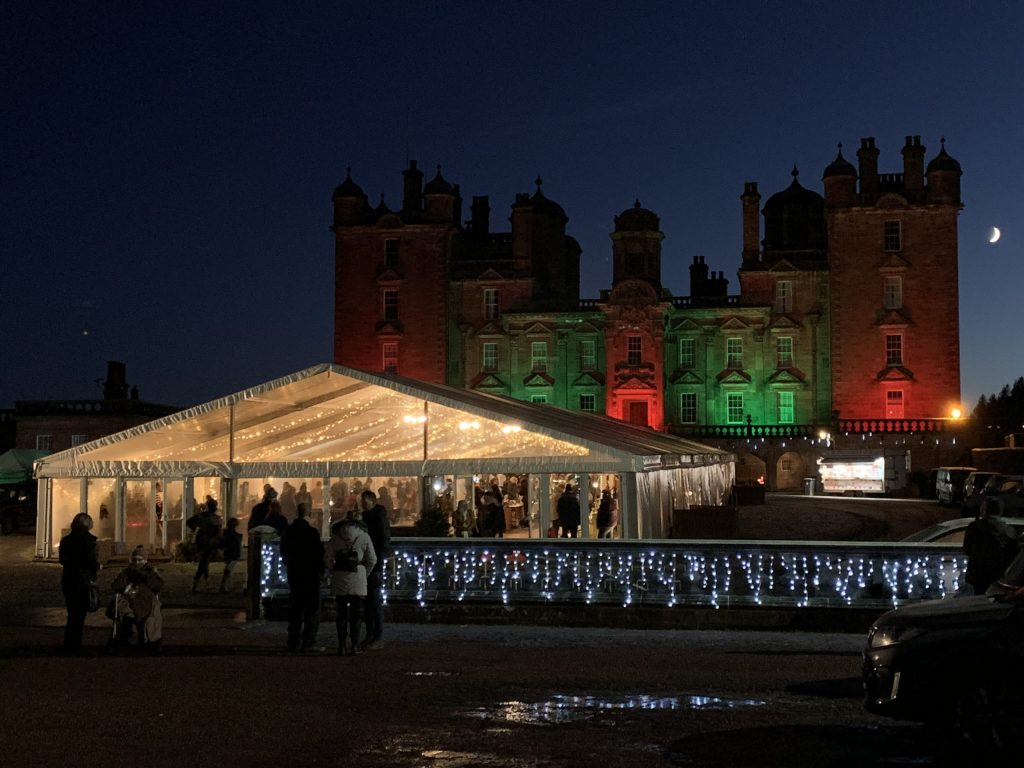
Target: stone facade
[{"x": 848, "y": 298}]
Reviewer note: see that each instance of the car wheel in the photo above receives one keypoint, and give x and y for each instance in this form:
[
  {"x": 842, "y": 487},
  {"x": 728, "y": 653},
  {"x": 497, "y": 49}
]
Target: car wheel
[{"x": 989, "y": 714}]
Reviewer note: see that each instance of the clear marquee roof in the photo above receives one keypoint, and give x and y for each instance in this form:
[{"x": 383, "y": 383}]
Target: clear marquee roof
[{"x": 333, "y": 421}]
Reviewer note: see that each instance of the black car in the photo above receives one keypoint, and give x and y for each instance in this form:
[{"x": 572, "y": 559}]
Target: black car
[{"x": 955, "y": 662}]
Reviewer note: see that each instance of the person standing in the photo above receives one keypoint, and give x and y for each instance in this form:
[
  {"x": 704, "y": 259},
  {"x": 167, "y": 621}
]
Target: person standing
[
  {"x": 569, "y": 513},
  {"x": 990, "y": 545},
  {"x": 206, "y": 525},
  {"x": 275, "y": 518},
  {"x": 607, "y": 515},
  {"x": 350, "y": 556},
  {"x": 378, "y": 525},
  {"x": 259, "y": 513},
  {"x": 77, "y": 552},
  {"x": 303, "y": 554},
  {"x": 232, "y": 545}
]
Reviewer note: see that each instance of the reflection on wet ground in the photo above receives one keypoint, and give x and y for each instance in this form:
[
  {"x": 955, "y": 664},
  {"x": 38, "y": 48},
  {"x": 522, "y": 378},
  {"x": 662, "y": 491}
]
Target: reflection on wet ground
[
  {"x": 563, "y": 708},
  {"x": 429, "y": 674}
]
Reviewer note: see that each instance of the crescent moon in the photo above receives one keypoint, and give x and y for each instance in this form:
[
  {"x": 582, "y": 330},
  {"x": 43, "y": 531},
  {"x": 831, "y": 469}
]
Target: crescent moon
[{"x": 994, "y": 234}]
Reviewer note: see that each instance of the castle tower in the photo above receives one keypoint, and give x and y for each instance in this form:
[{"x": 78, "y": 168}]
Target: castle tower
[{"x": 636, "y": 247}]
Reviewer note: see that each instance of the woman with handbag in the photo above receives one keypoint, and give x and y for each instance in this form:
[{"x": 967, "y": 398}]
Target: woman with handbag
[{"x": 77, "y": 554}]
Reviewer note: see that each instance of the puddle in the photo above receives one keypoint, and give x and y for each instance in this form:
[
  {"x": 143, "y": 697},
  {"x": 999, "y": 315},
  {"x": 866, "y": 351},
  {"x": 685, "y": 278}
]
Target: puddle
[
  {"x": 562, "y": 708},
  {"x": 429, "y": 674}
]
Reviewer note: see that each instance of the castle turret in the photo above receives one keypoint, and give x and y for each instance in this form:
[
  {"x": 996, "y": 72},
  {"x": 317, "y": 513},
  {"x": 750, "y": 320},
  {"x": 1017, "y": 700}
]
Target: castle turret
[
  {"x": 751, "y": 223},
  {"x": 840, "y": 179},
  {"x": 350, "y": 205},
  {"x": 944, "y": 178},
  {"x": 442, "y": 203},
  {"x": 540, "y": 247}
]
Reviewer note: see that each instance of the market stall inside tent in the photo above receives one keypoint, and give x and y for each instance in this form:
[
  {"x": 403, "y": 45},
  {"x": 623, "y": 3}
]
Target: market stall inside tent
[{"x": 319, "y": 435}]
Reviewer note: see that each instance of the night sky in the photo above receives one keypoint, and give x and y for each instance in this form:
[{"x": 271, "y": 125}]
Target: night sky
[{"x": 167, "y": 168}]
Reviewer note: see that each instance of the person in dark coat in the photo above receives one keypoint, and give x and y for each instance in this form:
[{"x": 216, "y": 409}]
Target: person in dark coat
[
  {"x": 493, "y": 516},
  {"x": 77, "y": 554},
  {"x": 231, "y": 542},
  {"x": 569, "y": 513},
  {"x": 275, "y": 518},
  {"x": 303, "y": 554},
  {"x": 990, "y": 545},
  {"x": 136, "y": 592},
  {"x": 206, "y": 524},
  {"x": 378, "y": 526},
  {"x": 607, "y": 515},
  {"x": 259, "y": 513}
]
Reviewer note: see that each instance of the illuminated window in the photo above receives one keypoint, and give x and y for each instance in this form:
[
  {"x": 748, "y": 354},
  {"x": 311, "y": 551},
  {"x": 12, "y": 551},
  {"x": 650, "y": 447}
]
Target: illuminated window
[
  {"x": 79, "y": 440},
  {"x": 734, "y": 353},
  {"x": 785, "y": 407},
  {"x": 44, "y": 442},
  {"x": 734, "y": 408},
  {"x": 784, "y": 296},
  {"x": 389, "y": 353},
  {"x": 491, "y": 308},
  {"x": 687, "y": 353},
  {"x": 894, "y": 404},
  {"x": 687, "y": 407},
  {"x": 634, "y": 348},
  {"x": 539, "y": 357},
  {"x": 588, "y": 355},
  {"x": 538, "y": 398},
  {"x": 785, "y": 352},
  {"x": 893, "y": 293},
  {"x": 588, "y": 403},
  {"x": 893, "y": 239},
  {"x": 894, "y": 349},
  {"x": 490, "y": 356},
  {"x": 391, "y": 253},
  {"x": 390, "y": 303}
]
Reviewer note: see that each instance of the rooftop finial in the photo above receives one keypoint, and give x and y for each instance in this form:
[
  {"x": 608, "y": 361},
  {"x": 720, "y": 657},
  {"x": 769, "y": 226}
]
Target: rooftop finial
[
  {"x": 348, "y": 170},
  {"x": 637, "y": 203},
  {"x": 538, "y": 181},
  {"x": 942, "y": 143},
  {"x": 795, "y": 172},
  {"x": 438, "y": 169}
]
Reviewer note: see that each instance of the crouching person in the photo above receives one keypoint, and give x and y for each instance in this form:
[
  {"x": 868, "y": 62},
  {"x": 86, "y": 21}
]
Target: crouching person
[{"x": 136, "y": 606}]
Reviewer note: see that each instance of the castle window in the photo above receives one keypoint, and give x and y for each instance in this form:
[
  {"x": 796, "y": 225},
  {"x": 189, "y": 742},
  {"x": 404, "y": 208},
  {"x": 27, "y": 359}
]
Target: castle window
[
  {"x": 389, "y": 355},
  {"x": 687, "y": 407},
  {"x": 784, "y": 296},
  {"x": 785, "y": 352},
  {"x": 491, "y": 307},
  {"x": 892, "y": 235},
  {"x": 634, "y": 350},
  {"x": 734, "y": 408},
  {"x": 894, "y": 404},
  {"x": 79, "y": 440},
  {"x": 785, "y": 408},
  {"x": 894, "y": 349},
  {"x": 490, "y": 356},
  {"x": 390, "y": 303},
  {"x": 893, "y": 292},
  {"x": 734, "y": 352},
  {"x": 391, "y": 253},
  {"x": 539, "y": 357},
  {"x": 44, "y": 442},
  {"x": 588, "y": 355},
  {"x": 687, "y": 353},
  {"x": 588, "y": 403},
  {"x": 538, "y": 398}
]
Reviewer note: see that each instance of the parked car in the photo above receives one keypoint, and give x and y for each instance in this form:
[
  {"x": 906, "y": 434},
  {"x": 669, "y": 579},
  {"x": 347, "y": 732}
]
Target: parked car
[
  {"x": 956, "y": 662},
  {"x": 1004, "y": 495},
  {"x": 974, "y": 486},
  {"x": 17, "y": 508},
  {"x": 952, "y": 531},
  {"x": 949, "y": 484}
]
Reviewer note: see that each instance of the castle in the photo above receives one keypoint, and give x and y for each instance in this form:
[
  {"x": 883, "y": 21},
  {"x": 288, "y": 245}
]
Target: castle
[{"x": 847, "y": 305}]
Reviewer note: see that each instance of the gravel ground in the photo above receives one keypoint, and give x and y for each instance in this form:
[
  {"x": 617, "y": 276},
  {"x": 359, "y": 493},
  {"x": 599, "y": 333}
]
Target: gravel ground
[{"x": 225, "y": 691}]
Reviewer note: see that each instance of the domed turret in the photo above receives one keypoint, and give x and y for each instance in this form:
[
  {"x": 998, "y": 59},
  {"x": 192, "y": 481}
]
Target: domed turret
[
  {"x": 442, "y": 203},
  {"x": 350, "y": 206},
  {"x": 840, "y": 178},
  {"x": 794, "y": 221},
  {"x": 637, "y": 219},
  {"x": 944, "y": 178},
  {"x": 541, "y": 204}
]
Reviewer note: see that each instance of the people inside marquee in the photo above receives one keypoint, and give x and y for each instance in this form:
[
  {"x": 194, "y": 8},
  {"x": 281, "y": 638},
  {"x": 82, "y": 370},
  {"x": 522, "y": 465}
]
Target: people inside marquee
[
  {"x": 206, "y": 525},
  {"x": 569, "y": 513}
]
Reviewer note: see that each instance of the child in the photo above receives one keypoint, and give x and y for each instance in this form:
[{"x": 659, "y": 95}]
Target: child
[{"x": 232, "y": 544}]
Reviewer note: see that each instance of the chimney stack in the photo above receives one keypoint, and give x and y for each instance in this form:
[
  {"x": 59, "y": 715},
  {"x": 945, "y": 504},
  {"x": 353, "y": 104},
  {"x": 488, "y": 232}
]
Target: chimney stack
[
  {"x": 751, "y": 223},
  {"x": 867, "y": 157}
]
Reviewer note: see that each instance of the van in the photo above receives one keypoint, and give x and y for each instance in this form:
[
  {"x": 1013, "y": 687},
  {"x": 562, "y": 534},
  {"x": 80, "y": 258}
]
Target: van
[{"x": 949, "y": 484}]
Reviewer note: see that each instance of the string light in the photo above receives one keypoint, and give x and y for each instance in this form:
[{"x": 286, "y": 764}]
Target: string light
[{"x": 663, "y": 574}]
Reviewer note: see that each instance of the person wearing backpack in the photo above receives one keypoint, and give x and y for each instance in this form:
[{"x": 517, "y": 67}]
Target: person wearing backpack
[{"x": 349, "y": 556}]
